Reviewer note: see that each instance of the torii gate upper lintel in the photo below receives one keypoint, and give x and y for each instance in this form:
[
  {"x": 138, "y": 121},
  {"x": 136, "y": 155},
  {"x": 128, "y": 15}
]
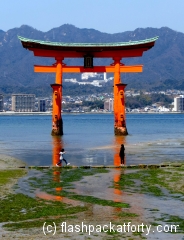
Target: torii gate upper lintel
[{"x": 88, "y": 51}]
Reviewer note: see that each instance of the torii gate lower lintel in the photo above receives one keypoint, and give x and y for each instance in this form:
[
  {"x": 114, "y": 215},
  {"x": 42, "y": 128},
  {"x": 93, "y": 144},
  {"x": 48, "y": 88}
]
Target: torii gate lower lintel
[{"x": 88, "y": 51}]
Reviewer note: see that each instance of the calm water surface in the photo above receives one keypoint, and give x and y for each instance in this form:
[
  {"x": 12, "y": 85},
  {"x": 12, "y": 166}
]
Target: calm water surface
[{"x": 89, "y": 138}]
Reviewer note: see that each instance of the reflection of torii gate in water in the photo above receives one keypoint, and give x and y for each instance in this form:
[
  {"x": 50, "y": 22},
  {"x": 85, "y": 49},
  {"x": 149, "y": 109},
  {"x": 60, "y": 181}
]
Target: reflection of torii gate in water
[{"x": 88, "y": 51}]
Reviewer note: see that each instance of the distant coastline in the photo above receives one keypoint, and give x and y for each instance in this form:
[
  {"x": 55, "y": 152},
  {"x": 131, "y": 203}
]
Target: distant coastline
[
  {"x": 25, "y": 113},
  {"x": 64, "y": 113}
]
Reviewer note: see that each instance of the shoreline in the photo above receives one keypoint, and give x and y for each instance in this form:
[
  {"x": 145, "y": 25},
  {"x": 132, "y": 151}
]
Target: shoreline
[{"x": 8, "y": 162}]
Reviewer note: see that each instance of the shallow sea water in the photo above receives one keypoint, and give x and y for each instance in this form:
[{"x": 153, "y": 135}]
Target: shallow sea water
[{"x": 89, "y": 139}]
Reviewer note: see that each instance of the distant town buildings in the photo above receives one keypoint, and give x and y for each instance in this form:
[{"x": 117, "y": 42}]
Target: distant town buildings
[
  {"x": 179, "y": 104},
  {"x": 1, "y": 103},
  {"x": 84, "y": 103},
  {"x": 23, "y": 102}
]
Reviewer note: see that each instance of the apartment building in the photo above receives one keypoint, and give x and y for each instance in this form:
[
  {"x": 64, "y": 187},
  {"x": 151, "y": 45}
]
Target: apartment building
[
  {"x": 23, "y": 102},
  {"x": 41, "y": 105},
  {"x": 109, "y": 105},
  {"x": 1, "y": 103},
  {"x": 179, "y": 104}
]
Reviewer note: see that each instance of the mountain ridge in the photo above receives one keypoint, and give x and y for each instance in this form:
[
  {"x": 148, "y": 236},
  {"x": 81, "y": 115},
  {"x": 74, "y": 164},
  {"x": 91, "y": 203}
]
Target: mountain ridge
[{"x": 163, "y": 64}]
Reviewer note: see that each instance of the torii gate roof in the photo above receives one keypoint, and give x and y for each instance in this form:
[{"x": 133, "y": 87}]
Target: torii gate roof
[{"x": 71, "y": 50}]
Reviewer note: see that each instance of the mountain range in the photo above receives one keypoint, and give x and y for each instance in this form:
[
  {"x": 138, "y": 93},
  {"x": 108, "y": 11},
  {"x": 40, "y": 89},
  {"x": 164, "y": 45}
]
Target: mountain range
[{"x": 163, "y": 64}]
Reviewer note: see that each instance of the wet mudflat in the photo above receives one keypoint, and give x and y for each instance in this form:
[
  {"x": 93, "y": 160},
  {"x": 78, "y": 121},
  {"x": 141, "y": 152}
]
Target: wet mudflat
[{"x": 97, "y": 197}]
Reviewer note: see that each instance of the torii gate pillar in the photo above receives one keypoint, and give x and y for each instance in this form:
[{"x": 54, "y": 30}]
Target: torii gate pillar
[
  {"x": 119, "y": 101},
  {"x": 57, "y": 122},
  {"x": 119, "y": 114}
]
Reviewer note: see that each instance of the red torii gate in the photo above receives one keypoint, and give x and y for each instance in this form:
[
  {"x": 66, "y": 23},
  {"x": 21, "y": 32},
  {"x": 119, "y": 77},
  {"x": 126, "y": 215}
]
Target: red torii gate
[{"x": 88, "y": 51}]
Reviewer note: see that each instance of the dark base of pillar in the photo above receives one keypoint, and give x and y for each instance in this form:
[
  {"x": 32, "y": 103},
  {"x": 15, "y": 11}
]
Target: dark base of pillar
[
  {"x": 121, "y": 131},
  {"x": 58, "y": 131}
]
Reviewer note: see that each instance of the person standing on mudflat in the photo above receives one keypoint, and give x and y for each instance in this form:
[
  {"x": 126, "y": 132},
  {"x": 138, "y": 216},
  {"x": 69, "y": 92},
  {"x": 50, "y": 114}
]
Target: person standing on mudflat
[
  {"x": 122, "y": 154},
  {"x": 62, "y": 158}
]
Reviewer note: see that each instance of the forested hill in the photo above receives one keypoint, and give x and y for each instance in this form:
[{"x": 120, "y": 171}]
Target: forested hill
[{"x": 163, "y": 64}]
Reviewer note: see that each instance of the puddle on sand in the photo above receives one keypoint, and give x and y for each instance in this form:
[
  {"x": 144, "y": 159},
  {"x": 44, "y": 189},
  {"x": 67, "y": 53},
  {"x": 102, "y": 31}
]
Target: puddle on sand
[
  {"x": 25, "y": 188},
  {"x": 93, "y": 210},
  {"x": 47, "y": 196}
]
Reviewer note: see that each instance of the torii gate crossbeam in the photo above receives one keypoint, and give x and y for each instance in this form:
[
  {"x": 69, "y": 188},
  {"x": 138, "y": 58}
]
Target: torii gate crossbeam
[{"x": 80, "y": 69}]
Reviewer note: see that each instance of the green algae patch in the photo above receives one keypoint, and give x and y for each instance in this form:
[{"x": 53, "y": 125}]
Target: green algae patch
[
  {"x": 32, "y": 223},
  {"x": 95, "y": 200},
  {"x": 7, "y": 175},
  {"x": 175, "y": 223},
  {"x": 18, "y": 207},
  {"x": 152, "y": 181}
]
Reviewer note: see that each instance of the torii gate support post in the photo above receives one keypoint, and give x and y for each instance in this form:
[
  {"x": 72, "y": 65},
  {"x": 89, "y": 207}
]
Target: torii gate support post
[
  {"x": 120, "y": 128},
  {"x": 119, "y": 101},
  {"x": 57, "y": 122}
]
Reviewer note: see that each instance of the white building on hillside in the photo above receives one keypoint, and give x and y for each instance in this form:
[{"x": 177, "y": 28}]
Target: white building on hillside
[
  {"x": 87, "y": 75},
  {"x": 72, "y": 80}
]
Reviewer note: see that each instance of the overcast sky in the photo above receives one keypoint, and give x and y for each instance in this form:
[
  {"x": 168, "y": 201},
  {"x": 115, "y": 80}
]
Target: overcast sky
[{"x": 110, "y": 16}]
